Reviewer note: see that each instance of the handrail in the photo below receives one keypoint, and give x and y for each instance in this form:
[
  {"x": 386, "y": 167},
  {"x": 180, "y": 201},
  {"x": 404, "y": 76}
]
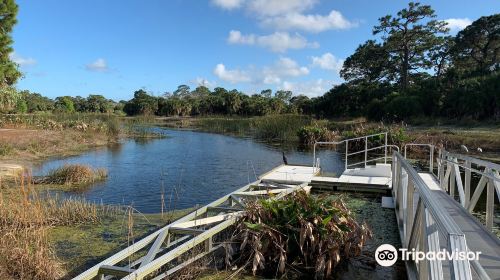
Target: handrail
[
  {"x": 417, "y": 223},
  {"x": 431, "y": 153},
  {"x": 450, "y": 179},
  {"x": 347, "y": 154}
]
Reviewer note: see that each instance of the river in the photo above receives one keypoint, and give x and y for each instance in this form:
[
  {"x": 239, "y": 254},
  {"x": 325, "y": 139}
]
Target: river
[{"x": 192, "y": 168}]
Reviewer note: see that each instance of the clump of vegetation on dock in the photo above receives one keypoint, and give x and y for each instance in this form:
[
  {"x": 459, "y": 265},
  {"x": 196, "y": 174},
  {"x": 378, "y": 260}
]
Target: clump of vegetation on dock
[
  {"x": 308, "y": 233},
  {"x": 74, "y": 174}
]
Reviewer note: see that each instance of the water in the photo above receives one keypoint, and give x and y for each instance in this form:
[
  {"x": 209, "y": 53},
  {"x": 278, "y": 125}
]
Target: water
[{"x": 199, "y": 167}]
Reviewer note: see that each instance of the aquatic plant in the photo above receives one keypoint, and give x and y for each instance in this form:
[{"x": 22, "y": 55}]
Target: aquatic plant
[{"x": 310, "y": 234}]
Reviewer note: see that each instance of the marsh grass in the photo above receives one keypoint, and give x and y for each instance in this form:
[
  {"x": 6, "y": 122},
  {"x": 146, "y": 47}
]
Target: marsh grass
[
  {"x": 25, "y": 218},
  {"x": 279, "y": 128},
  {"x": 6, "y": 149},
  {"x": 75, "y": 174}
]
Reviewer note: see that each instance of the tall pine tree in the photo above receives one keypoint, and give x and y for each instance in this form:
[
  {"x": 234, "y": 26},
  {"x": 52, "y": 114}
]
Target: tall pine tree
[{"x": 9, "y": 72}]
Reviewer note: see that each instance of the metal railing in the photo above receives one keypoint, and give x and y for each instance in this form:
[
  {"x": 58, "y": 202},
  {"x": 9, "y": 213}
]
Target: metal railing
[
  {"x": 422, "y": 220},
  {"x": 450, "y": 178},
  {"x": 431, "y": 153},
  {"x": 455, "y": 173},
  {"x": 364, "y": 151}
]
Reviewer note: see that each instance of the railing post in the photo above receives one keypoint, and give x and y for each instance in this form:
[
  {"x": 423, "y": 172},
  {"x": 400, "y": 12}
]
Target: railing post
[
  {"x": 314, "y": 156},
  {"x": 440, "y": 167},
  {"x": 431, "y": 160},
  {"x": 346, "y": 152},
  {"x": 453, "y": 180},
  {"x": 409, "y": 210},
  {"x": 366, "y": 150},
  {"x": 423, "y": 265},
  {"x": 490, "y": 198},
  {"x": 467, "y": 183},
  {"x": 385, "y": 149}
]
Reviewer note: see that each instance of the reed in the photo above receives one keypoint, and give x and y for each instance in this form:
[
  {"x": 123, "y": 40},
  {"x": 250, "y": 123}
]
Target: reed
[
  {"x": 282, "y": 128},
  {"x": 75, "y": 174},
  {"x": 25, "y": 219}
]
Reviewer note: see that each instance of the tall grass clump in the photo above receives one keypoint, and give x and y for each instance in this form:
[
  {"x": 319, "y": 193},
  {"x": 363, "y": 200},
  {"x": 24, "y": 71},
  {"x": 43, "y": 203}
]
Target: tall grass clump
[
  {"x": 75, "y": 174},
  {"x": 309, "y": 234},
  {"x": 25, "y": 220},
  {"x": 279, "y": 127},
  {"x": 237, "y": 126}
]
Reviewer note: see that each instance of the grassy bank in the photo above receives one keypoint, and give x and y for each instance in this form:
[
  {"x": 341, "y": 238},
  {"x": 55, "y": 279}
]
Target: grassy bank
[
  {"x": 29, "y": 137},
  {"x": 45, "y": 236}
]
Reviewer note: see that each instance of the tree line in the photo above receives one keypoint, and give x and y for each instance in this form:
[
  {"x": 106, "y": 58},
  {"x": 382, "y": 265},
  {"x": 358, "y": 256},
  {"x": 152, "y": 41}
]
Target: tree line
[{"x": 411, "y": 67}]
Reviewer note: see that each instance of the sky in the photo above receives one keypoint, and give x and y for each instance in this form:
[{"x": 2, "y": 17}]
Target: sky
[{"x": 116, "y": 47}]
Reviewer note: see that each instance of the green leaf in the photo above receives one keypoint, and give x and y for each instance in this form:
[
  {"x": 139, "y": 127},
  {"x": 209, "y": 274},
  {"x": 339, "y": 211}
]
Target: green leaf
[{"x": 253, "y": 226}]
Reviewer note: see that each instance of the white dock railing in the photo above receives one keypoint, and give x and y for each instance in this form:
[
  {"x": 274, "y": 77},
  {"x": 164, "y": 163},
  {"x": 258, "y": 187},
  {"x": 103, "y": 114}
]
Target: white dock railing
[
  {"x": 455, "y": 173},
  {"x": 421, "y": 226},
  {"x": 366, "y": 140}
]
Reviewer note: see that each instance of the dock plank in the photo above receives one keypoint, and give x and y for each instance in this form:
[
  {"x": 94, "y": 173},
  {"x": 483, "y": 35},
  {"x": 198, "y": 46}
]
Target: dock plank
[{"x": 290, "y": 174}]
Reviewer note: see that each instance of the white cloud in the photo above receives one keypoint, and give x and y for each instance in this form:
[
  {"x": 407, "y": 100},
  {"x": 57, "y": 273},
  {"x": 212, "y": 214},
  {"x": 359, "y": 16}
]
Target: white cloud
[
  {"x": 232, "y": 76},
  {"x": 22, "y": 61},
  {"x": 228, "y": 4},
  {"x": 235, "y": 37},
  {"x": 97, "y": 66},
  {"x": 311, "y": 88},
  {"x": 457, "y": 24},
  {"x": 284, "y": 67},
  {"x": 278, "y": 7},
  {"x": 274, "y": 74},
  {"x": 199, "y": 81},
  {"x": 328, "y": 62},
  {"x": 309, "y": 23},
  {"x": 276, "y": 42}
]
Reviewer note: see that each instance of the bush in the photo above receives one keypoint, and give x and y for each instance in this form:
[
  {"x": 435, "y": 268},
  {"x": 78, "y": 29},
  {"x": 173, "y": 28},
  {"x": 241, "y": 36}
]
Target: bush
[
  {"x": 312, "y": 133},
  {"x": 311, "y": 234}
]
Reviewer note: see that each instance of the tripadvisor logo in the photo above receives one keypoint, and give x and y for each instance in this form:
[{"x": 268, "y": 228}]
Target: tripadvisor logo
[{"x": 387, "y": 255}]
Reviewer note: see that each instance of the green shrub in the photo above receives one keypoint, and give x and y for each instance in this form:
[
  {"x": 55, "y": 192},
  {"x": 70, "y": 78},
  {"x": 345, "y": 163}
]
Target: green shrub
[
  {"x": 312, "y": 133},
  {"x": 310, "y": 234}
]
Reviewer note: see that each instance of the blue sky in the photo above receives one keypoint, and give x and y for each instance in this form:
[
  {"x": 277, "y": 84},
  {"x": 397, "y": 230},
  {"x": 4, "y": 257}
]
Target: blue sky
[{"x": 115, "y": 47}]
